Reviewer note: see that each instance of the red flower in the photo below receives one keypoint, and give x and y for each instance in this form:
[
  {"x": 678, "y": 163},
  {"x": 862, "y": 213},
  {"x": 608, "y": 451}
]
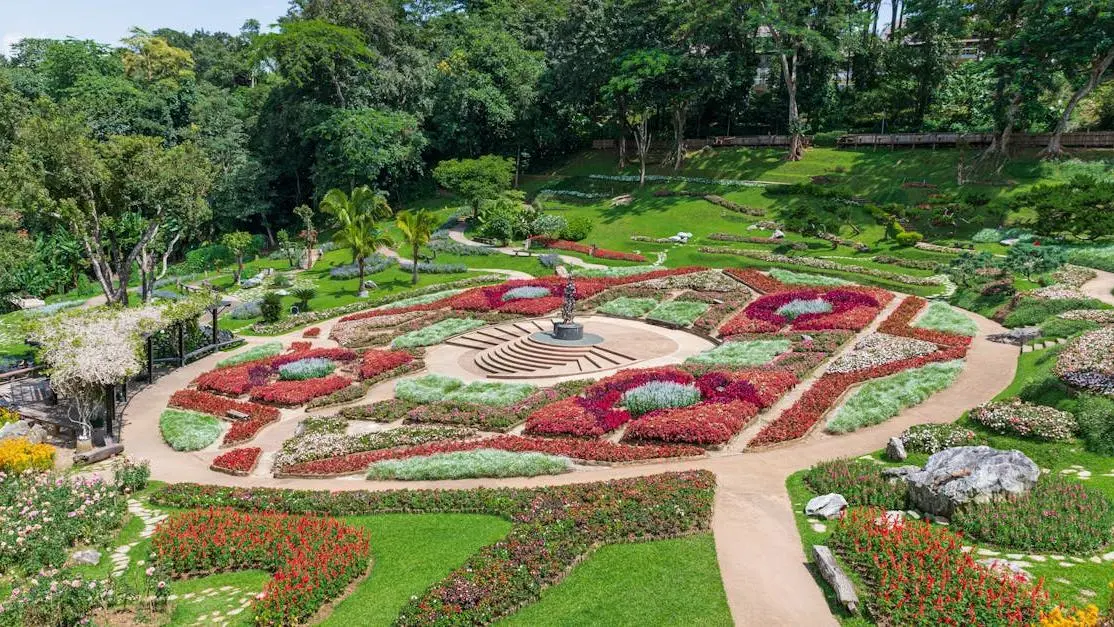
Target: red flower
[
  {"x": 298, "y": 392},
  {"x": 376, "y": 362},
  {"x": 311, "y": 332},
  {"x": 237, "y": 461}
]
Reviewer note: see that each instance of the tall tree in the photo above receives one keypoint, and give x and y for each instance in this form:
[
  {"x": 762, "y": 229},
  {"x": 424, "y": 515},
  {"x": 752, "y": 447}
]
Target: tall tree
[
  {"x": 346, "y": 209},
  {"x": 475, "y": 180},
  {"x": 634, "y": 90},
  {"x": 361, "y": 234},
  {"x": 417, "y": 228}
]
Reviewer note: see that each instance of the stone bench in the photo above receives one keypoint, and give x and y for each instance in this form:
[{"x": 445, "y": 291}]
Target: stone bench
[{"x": 236, "y": 414}]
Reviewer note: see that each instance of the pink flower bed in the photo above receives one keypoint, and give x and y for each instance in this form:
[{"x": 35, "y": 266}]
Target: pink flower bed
[
  {"x": 602, "y": 253},
  {"x": 312, "y": 332},
  {"x": 704, "y": 424},
  {"x": 198, "y": 400},
  {"x": 852, "y": 309},
  {"x": 334, "y": 354},
  {"x": 236, "y": 380},
  {"x": 587, "y": 450},
  {"x": 292, "y": 393},
  {"x": 532, "y": 306},
  {"x": 376, "y": 362}
]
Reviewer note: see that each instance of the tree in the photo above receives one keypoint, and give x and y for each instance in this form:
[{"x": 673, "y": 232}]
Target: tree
[
  {"x": 239, "y": 242},
  {"x": 966, "y": 268},
  {"x": 347, "y": 209},
  {"x": 361, "y": 234},
  {"x": 308, "y": 234},
  {"x": 114, "y": 196},
  {"x": 476, "y": 180},
  {"x": 417, "y": 228},
  {"x": 506, "y": 218},
  {"x": 288, "y": 246},
  {"x": 149, "y": 58},
  {"x": 804, "y": 216},
  {"x": 1083, "y": 207},
  {"x": 633, "y": 90},
  {"x": 367, "y": 146},
  {"x": 1030, "y": 259},
  {"x": 324, "y": 59}
]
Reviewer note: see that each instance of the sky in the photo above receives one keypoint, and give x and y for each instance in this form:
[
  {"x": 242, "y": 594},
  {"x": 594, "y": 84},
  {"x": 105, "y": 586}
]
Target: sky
[{"x": 108, "y": 21}]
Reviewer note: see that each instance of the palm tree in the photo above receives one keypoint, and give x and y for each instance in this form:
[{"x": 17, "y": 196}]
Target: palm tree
[
  {"x": 346, "y": 208},
  {"x": 417, "y": 229},
  {"x": 364, "y": 238}
]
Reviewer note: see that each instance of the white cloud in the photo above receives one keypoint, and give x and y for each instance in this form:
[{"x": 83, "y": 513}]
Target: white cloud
[{"x": 7, "y": 40}]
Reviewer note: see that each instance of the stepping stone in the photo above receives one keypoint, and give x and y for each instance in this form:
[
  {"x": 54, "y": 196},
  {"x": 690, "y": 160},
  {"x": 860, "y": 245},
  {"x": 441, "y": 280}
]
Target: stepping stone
[
  {"x": 1038, "y": 558},
  {"x": 1014, "y": 556},
  {"x": 1084, "y": 474},
  {"x": 235, "y": 611},
  {"x": 1108, "y": 556},
  {"x": 1066, "y": 564},
  {"x": 1063, "y": 581},
  {"x": 1095, "y": 559},
  {"x": 1090, "y": 594},
  {"x": 1068, "y": 471},
  {"x": 1077, "y": 560},
  {"x": 966, "y": 549},
  {"x": 987, "y": 552},
  {"x": 187, "y": 595},
  {"x": 819, "y": 527},
  {"x": 1058, "y": 558}
]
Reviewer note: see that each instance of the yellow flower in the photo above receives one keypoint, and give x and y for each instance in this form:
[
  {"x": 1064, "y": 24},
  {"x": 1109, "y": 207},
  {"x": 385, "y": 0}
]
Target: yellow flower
[{"x": 18, "y": 454}]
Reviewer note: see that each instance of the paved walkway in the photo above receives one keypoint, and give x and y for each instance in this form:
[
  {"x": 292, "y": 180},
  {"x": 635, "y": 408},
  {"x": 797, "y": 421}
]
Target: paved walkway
[
  {"x": 761, "y": 559},
  {"x": 1100, "y": 287},
  {"x": 457, "y": 235}
]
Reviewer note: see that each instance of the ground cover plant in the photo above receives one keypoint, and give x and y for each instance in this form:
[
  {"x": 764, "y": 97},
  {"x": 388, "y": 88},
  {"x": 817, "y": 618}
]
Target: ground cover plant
[
  {"x": 1088, "y": 362},
  {"x": 18, "y": 455},
  {"x": 942, "y": 317},
  {"x": 741, "y": 354},
  {"x": 255, "y": 353},
  {"x": 629, "y": 307},
  {"x": 1016, "y": 417},
  {"x": 877, "y": 349},
  {"x": 311, "y": 446},
  {"x": 678, "y": 313},
  {"x": 307, "y": 368},
  {"x": 932, "y": 438},
  {"x": 859, "y": 481},
  {"x": 436, "y": 333},
  {"x": 881, "y": 399},
  {"x": 188, "y": 430},
  {"x": 542, "y": 545},
  {"x": 240, "y": 461},
  {"x": 291, "y": 393},
  {"x": 486, "y": 417},
  {"x": 469, "y": 464},
  {"x": 796, "y": 278}
]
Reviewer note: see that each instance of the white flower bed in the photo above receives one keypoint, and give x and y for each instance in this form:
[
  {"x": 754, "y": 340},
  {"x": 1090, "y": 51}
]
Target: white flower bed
[
  {"x": 878, "y": 349},
  {"x": 1016, "y": 417},
  {"x": 1073, "y": 276},
  {"x": 1101, "y": 316},
  {"x": 1057, "y": 292},
  {"x": 1088, "y": 361}
]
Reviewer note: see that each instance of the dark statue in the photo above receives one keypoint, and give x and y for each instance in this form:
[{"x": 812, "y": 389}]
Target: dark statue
[{"x": 570, "y": 302}]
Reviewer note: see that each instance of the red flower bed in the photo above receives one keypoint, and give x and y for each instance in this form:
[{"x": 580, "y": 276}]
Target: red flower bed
[
  {"x": 334, "y": 354},
  {"x": 576, "y": 417},
  {"x": 918, "y": 574},
  {"x": 586, "y": 450},
  {"x": 298, "y": 347},
  {"x": 532, "y": 306},
  {"x": 244, "y": 430},
  {"x": 376, "y": 362},
  {"x": 197, "y": 400},
  {"x": 312, "y": 559},
  {"x": 602, "y": 253},
  {"x": 899, "y": 323},
  {"x": 761, "y": 283},
  {"x": 705, "y": 424},
  {"x": 236, "y": 380},
  {"x": 375, "y": 313},
  {"x": 240, "y": 461},
  {"x": 852, "y": 309},
  {"x": 759, "y": 387},
  {"x": 796, "y": 421},
  {"x": 312, "y": 332},
  {"x": 298, "y": 392}
]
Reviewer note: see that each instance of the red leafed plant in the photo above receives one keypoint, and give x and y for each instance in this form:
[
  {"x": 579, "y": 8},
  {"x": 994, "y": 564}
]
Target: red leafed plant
[
  {"x": 576, "y": 417},
  {"x": 298, "y": 392},
  {"x": 761, "y": 283},
  {"x": 240, "y": 461},
  {"x": 918, "y": 574},
  {"x": 704, "y": 424},
  {"x": 312, "y": 560},
  {"x": 197, "y": 400},
  {"x": 334, "y": 354},
  {"x": 237, "y": 380},
  {"x": 312, "y": 332},
  {"x": 376, "y": 362},
  {"x": 602, "y": 253},
  {"x": 244, "y": 430},
  {"x": 899, "y": 324}
]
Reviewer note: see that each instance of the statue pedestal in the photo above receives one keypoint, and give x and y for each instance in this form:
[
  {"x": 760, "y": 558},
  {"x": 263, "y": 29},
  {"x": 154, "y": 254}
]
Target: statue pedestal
[{"x": 568, "y": 331}]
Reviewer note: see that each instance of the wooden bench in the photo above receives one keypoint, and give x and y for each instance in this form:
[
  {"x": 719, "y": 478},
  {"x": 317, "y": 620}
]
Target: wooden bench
[{"x": 52, "y": 424}]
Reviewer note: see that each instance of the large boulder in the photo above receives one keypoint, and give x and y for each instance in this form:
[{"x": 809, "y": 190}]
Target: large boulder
[
  {"x": 969, "y": 474},
  {"x": 34, "y": 433},
  {"x": 86, "y": 557},
  {"x": 895, "y": 450},
  {"x": 826, "y": 506}
]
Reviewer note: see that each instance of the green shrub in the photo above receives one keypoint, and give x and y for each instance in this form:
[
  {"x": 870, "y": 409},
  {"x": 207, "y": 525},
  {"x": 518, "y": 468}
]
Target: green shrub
[
  {"x": 908, "y": 238},
  {"x": 741, "y": 354},
  {"x": 469, "y": 464},
  {"x": 879, "y": 400},
  {"x": 680, "y": 313},
  {"x": 1101, "y": 257},
  {"x": 271, "y": 307},
  {"x": 827, "y": 139},
  {"x": 211, "y": 257},
  {"x": 629, "y": 307},
  {"x": 579, "y": 227},
  {"x": 262, "y": 351},
  {"x": 188, "y": 430},
  {"x": 1059, "y": 327},
  {"x": 1057, "y": 515},
  {"x": 1095, "y": 415},
  {"x": 131, "y": 476},
  {"x": 860, "y": 482},
  {"x": 942, "y": 317},
  {"x": 1033, "y": 311}
]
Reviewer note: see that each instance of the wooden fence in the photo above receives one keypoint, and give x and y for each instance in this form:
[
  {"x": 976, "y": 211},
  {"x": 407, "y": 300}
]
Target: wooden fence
[{"x": 1099, "y": 139}]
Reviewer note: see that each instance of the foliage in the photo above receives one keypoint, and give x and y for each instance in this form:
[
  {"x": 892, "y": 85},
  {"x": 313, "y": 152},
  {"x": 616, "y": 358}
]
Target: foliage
[
  {"x": 188, "y": 430},
  {"x": 1080, "y": 207},
  {"x": 271, "y": 307},
  {"x": 859, "y": 481},
  {"x": 469, "y": 464},
  {"x": 679, "y": 313},
  {"x": 417, "y": 229},
  {"x": 436, "y": 333},
  {"x": 942, "y": 317},
  {"x": 933, "y": 438},
  {"x": 1030, "y": 259},
  {"x": 19, "y": 454},
  {"x": 741, "y": 354},
  {"x": 129, "y": 475},
  {"x": 1033, "y": 311},
  {"x": 310, "y": 446},
  {"x": 1016, "y": 417},
  {"x": 257, "y": 352},
  {"x": 579, "y": 227},
  {"x": 882, "y": 399},
  {"x": 311, "y": 368},
  {"x": 1095, "y": 427},
  {"x": 475, "y": 180},
  {"x": 796, "y": 278},
  {"x": 1058, "y": 515},
  {"x": 659, "y": 395},
  {"x": 1088, "y": 362},
  {"x": 629, "y": 307},
  {"x": 432, "y": 388}
]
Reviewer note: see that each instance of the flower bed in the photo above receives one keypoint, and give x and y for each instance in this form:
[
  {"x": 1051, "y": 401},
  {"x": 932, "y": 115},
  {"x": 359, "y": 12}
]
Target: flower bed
[
  {"x": 629, "y": 307},
  {"x": 312, "y": 446},
  {"x": 705, "y": 424},
  {"x": 859, "y": 481},
  {"x": 591, "y": 251},
  {"x": 255, "y": 353},
  {"x": 742, "y": 354},
  {"x": 799, "y": 419},
  {"x": 899, "y": 324},
  {"x": 822, "y": 264},
  {"x": 19, "y": 454},
  {"x": 554, "y": 528},
  {"x": 292, "y": 393},
  {"x": 678, "y": 313},
  {"x": 1088, "y": 362},
  {"x": 658, "y": 395},
  {"x": 840, "y": 308},
  {"x": 235, "y": 381},
  {"x": 1016, "y": 417},
  {"x": 585, "y": 450},
  {"x": 918, "y": 574},
  {"x": 484, "y": 417},
  {"x": 761, "y": 283},
  {"x": 310, "y": 368},
  {"x": 933, "y": 438},
  {"x": 43, "y": 515},
  {"x": 196, "y": 400},
  {"x": 377, "y": 362},
  {"x": 878, "y": 349},
  {"x": 432, "y": 387},
  {"x": 238, "y": 462},
  {"x": 879, "y": 400},
  {"x": 1058, "y": 515},
  {"x": 188, "y": 430},
  {"x": 526, "y": 291},
  {"x": 469, "y": 464},
  {"x": 436, "y": 333},
  {"x": 300, "y": 351},
  {"x": 943, "y": 317},
  {"x": 312, "y": 560},
  {"x": 389, "y": 410},
  {"x": 312, "y": 333},
  {"x": 789, "y": 277}
]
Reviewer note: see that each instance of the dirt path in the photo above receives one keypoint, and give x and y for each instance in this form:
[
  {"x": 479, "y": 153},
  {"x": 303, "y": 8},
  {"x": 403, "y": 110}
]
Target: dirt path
[
  {"x": 1100, "y": 287},
  {"x": 760, "y": 556}
]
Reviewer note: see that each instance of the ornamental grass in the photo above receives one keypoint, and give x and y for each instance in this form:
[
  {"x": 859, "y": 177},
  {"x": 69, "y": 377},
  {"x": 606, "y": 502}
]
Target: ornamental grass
[
  {"x": 469, "y": 464},
  {"x": 188, "y": 430}
]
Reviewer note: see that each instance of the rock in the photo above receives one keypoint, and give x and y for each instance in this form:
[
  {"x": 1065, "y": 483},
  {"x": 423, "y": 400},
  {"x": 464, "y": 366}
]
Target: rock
[
  {"x": 1005, "y": 566},
  {"x": 836, "y": 578},
  {"x": 895, "y": 450},
  {"x": 899, "y": 472},
  {"x": 969, "y": 474},
  {"x": 86, "y": 557},
  {"x": 17, "y": 429},
  {"x": 827, "y": 506},
  {"x": 36, "y": 435}
]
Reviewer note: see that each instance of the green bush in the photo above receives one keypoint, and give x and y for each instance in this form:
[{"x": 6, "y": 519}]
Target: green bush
[
  {"x": 469, "y": 464},
  {"x": 188, "y": 430},
  {"x": 908, "y": 238},
  {"x": 1095, "y": 415},
  {"x": 629, "y": 307},
  {"x": 426, "y": 389},
  {"x": 271, "y": 307},
  {"x": 1033, "y": 311},
  {"x": 1059, "y": 327},
  {"x": 932, "y": 437},
  {"x": 206, "y": 258},
  {"x": 860, "y": 482},
  {"x": 659, "y": 395},
  {"x": 131, "y": 476},
  {"x": 1057, "y": 515},
  {"x": 578, "y": 228},
  {"x": 827, "y": 139}
]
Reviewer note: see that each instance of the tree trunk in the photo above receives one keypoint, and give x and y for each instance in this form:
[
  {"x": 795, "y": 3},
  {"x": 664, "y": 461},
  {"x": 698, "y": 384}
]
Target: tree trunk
[
  {"x": 642, "y": 138},
  {"x": 1099, "y": 66},
  {"x": 680, "y": 112},
  {"x": 239, "y": 269},
  {"x": 267, "y": 229},
  {"x": 796, "y": 142},
  {"x": 360, "y": 287},
  {"x": 415, "y": 268},
  {"x": 622, "y": 148}
]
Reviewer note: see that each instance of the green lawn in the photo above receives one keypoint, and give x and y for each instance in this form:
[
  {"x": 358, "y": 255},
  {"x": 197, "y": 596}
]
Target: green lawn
[{"x": 667, "y": 582}]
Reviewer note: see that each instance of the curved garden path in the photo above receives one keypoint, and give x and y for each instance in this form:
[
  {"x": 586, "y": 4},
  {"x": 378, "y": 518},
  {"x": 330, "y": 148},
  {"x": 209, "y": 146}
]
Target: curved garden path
[
  {"x": 761, "y": 559},
  {"x": 457, "y": 235},
  {"x": 510, "y": 274},
  {"x": 1100, "y": 287}
]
